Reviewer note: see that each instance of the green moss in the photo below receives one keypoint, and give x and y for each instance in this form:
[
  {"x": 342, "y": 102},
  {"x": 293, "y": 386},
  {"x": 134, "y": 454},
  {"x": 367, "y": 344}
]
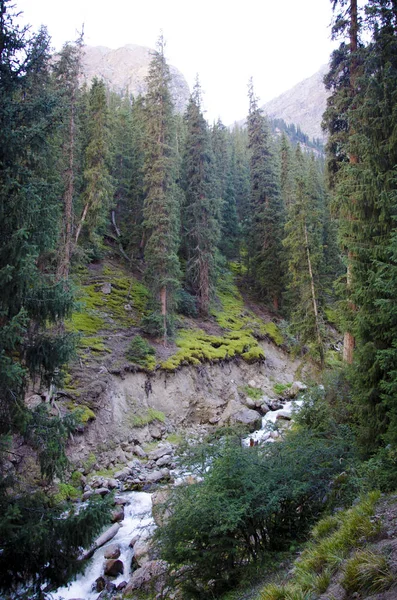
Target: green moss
[
  {"x": 86, "y": 323},
  {"x": 95, "y": 344},
  {"x": 66, "y": 491},
  {"x": 175, "y": 438},
  {"x": 333, "y": 359},
  {"x": 254, "y": 393},
  {"x": 197, "y": 347},
  {"x": 271, "y": 330},
  {"x": 142, "y": 419},
  {"x": 280, "y": 388},
  {"x": 82, "y": 412}
]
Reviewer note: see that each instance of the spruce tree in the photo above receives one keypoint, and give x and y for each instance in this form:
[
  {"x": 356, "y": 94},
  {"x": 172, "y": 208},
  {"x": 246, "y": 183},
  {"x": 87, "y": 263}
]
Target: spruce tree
[
  {"x": 264, "y": 228},
  {"x": 303, "y": 242},
  {"x": 97, "y": 184},
  {"x": 201, "y": 220},
  {"x": 39, "y": 543},
  {"x": 161, "y": 208},
  {"x": 225, "y": 165}
]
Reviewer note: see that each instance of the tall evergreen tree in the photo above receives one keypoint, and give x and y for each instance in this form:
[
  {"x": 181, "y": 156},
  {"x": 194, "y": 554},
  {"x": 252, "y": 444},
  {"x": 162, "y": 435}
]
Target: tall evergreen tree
[
  {"x": 67, "y": 71},
  {"x": 202, "y": 207},
  {"x": 225, "y": 165},
  {"x": 98, "y": 188},
  {"x": 305, "y": 253},
  {"x": 264, "y": 240},
  {"x": 161, "y": 206}
]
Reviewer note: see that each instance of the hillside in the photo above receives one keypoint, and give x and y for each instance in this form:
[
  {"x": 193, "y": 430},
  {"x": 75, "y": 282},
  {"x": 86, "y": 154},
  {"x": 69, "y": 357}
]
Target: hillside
[{"x": 302, "y": 105}]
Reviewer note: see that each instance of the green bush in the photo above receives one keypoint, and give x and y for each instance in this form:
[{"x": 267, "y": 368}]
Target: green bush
[
  {"x": 251, "y": 501},
  {"x": 186, "y": 304},
  {"x": 153, "y": 325},
  {"x": 139, "y": 350}
]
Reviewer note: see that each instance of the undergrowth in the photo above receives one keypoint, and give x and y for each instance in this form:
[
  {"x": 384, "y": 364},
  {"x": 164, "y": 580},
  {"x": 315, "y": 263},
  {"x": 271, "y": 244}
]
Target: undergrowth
[{"x": 332, "y": 540}]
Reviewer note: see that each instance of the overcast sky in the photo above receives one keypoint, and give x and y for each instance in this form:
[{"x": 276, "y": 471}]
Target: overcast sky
[{"x": 278, "y": 43}]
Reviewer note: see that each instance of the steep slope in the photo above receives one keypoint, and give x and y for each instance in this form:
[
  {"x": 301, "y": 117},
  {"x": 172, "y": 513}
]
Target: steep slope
[
  {"x": 303, "y": 105},
  {"x": 126, "y": 69}
]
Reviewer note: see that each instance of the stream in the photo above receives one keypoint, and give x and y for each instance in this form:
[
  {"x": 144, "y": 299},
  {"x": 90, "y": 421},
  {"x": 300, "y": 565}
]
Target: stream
[{"x": 137, "y": 521}]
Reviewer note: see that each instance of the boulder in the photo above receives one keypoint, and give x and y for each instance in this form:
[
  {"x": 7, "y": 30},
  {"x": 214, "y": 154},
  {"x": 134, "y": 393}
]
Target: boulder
[
  {"x": 122, "y": 475},
  {"x": 87, "y": 495},
  {"x": 155, "y": 432},
  {"x": 99, "y": 584},
  {"x": 118, "y": 514},
  {"x": 161, "y": 451},
  {"x": 112, "y": 484},
  {"x": 160, "y": 508},
  {"x": 141, "y": 552},
  {"x": 139, "y": 451},
  {"x": 264, "y": 408},
  {"x": 113, "y": 568},
  {"x": 112, "y": 551},
  {"x": 275, "y": 404},
  {"x": 149, "y": 578},
  {"x": 102, "y": 491},
  {"x": 295, "y": 388},
  {"x": 247, "y": 416},
  {"x": 164, "y": 460},
  {"x": 156, "y": 476}
]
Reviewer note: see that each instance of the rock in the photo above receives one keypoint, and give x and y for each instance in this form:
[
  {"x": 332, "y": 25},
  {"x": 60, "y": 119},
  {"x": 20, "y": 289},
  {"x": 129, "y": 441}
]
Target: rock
[
  {"x": 113, "y": 568},
  {"x": 150, "y": 577},
  {"x": 249, "y": 417},
  {"x": 112, "y": 484},
  {"x": 120, "y": 501},
  {"x": 135, "y": 465},
  {"x": 141, "y": 552},
  {"x": 264, "y": 408},
  {"x": 161, "y": 451},
  {"x": 164, "y": 460},
  {"x": 249, "y": 402},
  {"x": 157, "y": 476},
  {"x": 122, "y": 475},
  {"x": 275, "y": 404},
  {"x": 134, "y": 541},
  {"x": 112, "y": 551},
  {"x": 155, "y": 432},
  {"x": 252, "y": 383},
  {"x": 101, "y": 491},
  {"x": 139, "y": 451},
  {"x": 121, "y": 586},
  {"x": 118, "y": 514},
  {"x": 160, "y": 508},
  {"x": 87, "y": 495},
  {"x": 294, "y": 390},
  {"x": 99, "y": 584}
]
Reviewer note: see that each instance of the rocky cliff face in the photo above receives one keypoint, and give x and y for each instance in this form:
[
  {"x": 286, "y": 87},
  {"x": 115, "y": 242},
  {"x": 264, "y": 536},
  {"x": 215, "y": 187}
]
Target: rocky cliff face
[
  {"x": 303, "y": 105},
  {"x": 126, "y": 69}
]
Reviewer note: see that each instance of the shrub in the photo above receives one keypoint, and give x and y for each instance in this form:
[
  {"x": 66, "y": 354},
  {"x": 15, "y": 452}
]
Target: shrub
[
  {"x": 250, "y": 501},
  {"x": 367, "y": 572},
  {"x": 139, "y": 350},
  {"x": 186, "y": 304}
]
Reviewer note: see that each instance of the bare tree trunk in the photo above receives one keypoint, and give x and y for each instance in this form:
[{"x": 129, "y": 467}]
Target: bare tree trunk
[{"x": 81, "y": 222}]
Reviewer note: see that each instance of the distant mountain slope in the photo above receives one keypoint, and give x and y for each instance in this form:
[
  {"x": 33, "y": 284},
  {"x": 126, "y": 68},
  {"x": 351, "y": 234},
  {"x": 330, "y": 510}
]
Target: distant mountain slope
[
  {"x": 303, "y": 105},
  {"x": 127, "y": 68}
]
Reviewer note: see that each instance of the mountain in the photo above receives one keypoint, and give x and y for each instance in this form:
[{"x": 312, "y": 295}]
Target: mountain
[
  {"x": 127, "y": 68},
  {"x": 303, "y": 105}
]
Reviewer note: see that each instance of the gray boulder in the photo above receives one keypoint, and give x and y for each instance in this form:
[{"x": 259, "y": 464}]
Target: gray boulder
[
  {"x": 247, "y": 416},
  {"x": 149, "y": 578}
]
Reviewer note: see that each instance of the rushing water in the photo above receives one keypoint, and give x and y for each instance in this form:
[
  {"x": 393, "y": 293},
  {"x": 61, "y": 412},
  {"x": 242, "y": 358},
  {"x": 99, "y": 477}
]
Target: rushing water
[
  {"x": 264, "y": 434},
  {"x": 137, "y": 521}
]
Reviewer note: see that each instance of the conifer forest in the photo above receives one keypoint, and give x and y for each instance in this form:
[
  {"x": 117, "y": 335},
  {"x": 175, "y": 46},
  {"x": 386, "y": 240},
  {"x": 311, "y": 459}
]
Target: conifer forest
[{"x": 200, "y": 246}]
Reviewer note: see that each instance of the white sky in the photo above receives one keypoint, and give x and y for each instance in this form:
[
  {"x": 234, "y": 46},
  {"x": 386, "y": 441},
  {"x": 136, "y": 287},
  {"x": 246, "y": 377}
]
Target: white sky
[{"x": 277, "y": 42}]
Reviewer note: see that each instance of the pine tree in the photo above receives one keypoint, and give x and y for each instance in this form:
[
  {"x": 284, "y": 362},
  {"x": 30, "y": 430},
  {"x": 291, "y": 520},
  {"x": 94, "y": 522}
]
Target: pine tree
[
  {"x": 161, "y": 206},
  {"x": 304, "y": 244},
  {"x": 67, "y": 71},
  {"x": 98, "y": 188},
  {"x": 264, "y": 231},
  {"x": 202, "y": 207},
  {"x": 225, "y": 166}
]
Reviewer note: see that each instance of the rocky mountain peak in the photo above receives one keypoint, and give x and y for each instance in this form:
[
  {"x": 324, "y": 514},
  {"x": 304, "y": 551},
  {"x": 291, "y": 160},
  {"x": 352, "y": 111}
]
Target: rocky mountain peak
[{"x": 126, "y": 69}]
